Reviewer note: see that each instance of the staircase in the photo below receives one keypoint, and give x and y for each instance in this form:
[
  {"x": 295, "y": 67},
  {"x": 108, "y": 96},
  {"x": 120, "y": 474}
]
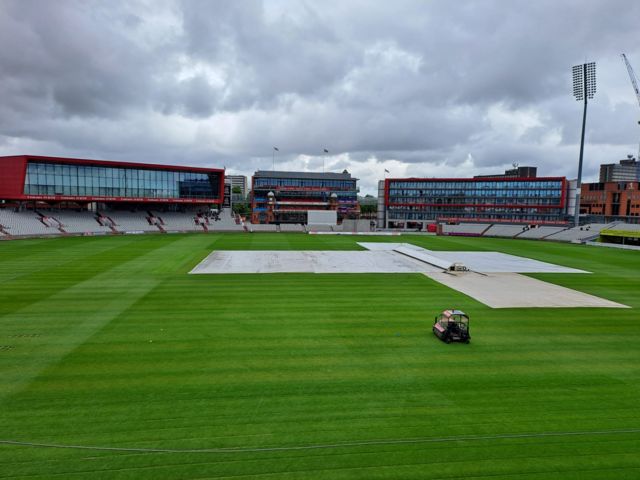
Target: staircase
[
  {"x": 51, "y": 222},
  {"x": 106, "y": 221},
  {"x": 155, "y": 221}
]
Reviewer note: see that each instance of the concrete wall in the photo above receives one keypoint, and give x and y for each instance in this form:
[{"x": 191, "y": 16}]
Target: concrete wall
[{"x": 322, "y": 217}]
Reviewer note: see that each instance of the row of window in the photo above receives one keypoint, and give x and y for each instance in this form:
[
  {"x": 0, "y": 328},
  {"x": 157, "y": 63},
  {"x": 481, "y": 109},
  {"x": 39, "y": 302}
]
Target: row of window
[
  {"x": 483, "y": 217},
  {"x": 473, "y": 184},
  {"x": 475, "y": 193},
  {"x": 303, "y": 182},
  {"x": 308, "y": 195},
  {"x": 112, "y": 172},
  {"x": 498, "y": 215},
  {"x": 56, "y": 179},
  {"x": 304, "y": 200},
  {"x": 440, "y": 208},
  {"x": 431, "y": 213},
  {"x": 591, "y": 198},
  {"x": 116, "y": 192},
  {"x": 475, "y": 201},
  {"x": 69, "y": 181}
]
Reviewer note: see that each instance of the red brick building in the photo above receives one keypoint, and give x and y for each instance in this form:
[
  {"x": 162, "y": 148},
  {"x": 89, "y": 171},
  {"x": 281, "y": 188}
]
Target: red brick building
[{"x": 610, "y": 199}]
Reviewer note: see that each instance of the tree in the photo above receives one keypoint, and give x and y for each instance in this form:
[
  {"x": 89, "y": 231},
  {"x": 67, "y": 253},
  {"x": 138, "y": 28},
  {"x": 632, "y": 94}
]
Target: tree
[
  {"x": 368, "y": 208},
  {"x": 241, "y": 208}
]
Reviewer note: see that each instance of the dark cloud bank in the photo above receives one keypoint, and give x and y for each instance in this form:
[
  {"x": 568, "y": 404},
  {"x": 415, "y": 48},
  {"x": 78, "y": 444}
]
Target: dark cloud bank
[{"x": 418, "y": 88}]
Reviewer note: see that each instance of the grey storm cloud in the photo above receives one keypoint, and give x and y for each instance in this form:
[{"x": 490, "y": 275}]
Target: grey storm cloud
[{"x": 420, "y": 88}]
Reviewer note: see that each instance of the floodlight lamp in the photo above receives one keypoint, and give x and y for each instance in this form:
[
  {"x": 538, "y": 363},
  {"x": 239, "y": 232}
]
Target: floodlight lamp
[
  {"x": 584, "y": 80},
  {"x": 578, "y": 82}
]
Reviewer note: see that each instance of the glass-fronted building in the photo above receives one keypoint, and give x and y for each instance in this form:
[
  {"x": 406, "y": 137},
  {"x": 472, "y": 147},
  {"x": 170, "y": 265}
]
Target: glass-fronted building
[
  {"x": 414, "y": 202},
  {"x": 52, "y": 179},
  {"x": 285, "y": 197}
]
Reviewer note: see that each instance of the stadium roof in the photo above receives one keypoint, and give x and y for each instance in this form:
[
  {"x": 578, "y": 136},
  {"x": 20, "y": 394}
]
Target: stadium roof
[{"x": 308, "y": 175}]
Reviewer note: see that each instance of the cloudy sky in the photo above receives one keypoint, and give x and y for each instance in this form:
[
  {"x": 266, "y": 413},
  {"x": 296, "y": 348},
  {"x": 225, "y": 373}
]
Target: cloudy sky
[{"x": 420, "y": 88}]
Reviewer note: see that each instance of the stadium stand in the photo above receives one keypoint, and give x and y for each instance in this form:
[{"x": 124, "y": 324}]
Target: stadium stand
[
  {"x": 539, "y": 232},
  {"x": 468, "y": 229},
  {"x": 202, "y": 221},
  {"x": 33, "y": 223},
  {"x": 226, "y": 221},
  {"x": 582, "y": 233},
  {"x": 58, "y": 222},
  {"x": 42, "y": 195},
  {"x": 80, "y": 222},
  {"x": 25, "y": 223},
  {"x": 498, "y": 230},
  {"x": 178, "y": 221},
  {"x": 131, "y": 221}
]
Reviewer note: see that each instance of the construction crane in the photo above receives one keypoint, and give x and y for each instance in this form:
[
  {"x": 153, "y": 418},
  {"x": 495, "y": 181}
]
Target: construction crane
[{"x": 634, "y": 83}]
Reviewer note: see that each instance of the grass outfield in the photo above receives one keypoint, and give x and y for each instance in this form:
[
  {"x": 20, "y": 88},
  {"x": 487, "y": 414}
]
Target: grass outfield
[{"x": 106, "y": 341}]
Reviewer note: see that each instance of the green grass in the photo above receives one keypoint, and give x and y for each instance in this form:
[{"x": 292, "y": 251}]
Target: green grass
[{"x": 113, "y": 344}]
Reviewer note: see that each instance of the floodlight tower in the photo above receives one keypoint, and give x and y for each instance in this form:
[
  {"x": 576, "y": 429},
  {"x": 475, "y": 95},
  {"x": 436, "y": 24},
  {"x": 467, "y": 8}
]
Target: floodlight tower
[{"x": 584, "y": 87}]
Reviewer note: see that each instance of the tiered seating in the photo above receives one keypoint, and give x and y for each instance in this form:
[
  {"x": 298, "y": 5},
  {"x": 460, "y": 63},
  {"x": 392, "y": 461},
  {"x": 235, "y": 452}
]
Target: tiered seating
[
  {"x": 465, "y": 229},
  {"x": 51, "y": 221},
  {"x": 226, "y": 221},
  {"x": 131, "y": 221},
  {"x": 202, "y": 221},
  {"x": 540, "y": 232},
  {"x": 178, "y": 221},
  {"x": 582, "y": 233},
  {"x": 24, "y": 223},
  {"x": 80, "y": 222},
  {"x": 508, "y": 231}
]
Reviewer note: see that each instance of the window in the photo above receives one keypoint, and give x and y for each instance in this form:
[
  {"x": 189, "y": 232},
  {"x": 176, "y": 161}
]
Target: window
[{"x": 47, "y": 179}]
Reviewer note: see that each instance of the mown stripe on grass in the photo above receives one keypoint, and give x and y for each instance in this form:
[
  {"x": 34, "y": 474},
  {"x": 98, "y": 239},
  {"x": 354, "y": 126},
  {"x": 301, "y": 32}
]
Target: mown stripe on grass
[
  {"x": 390, "y": 441},
  {"x": 113, "y": 287}
]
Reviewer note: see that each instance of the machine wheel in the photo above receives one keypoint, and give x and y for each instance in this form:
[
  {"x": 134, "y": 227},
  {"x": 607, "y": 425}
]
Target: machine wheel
[{"x": 447, "y": 340}]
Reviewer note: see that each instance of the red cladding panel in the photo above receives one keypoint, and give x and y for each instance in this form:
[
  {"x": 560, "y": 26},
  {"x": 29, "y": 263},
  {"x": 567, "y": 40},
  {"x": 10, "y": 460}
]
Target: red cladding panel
[
  {"x": 110, "y": 163},
  {"x": 12, "y": 173}
]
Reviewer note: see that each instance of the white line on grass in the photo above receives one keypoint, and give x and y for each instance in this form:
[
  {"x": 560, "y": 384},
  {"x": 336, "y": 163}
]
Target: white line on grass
[{"x": 398, "y": 441}]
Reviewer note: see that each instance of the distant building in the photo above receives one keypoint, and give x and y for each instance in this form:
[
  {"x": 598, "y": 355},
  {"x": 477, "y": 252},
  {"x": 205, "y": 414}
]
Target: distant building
[
  {"x": 412, "y": 203},
  {"x": 625, "y": 171},
  {"x": 285, "y": 197},
  {"x": 610, "y": 199},
  {"x": 238, "y": 181}
]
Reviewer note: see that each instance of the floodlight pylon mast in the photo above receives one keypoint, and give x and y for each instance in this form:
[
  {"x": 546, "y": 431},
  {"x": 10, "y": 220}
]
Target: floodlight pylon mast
[
  {"x": 584, "y": 87},
  {"x": 634, "y": 84}
]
